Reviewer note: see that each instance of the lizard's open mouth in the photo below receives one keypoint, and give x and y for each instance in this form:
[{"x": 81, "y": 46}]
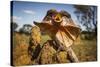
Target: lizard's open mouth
[{"x": 57, "y": 18}]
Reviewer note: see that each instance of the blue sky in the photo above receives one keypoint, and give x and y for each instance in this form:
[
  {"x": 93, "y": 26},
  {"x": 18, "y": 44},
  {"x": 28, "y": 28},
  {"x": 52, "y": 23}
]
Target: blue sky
[{"x": 27, "y": 12}]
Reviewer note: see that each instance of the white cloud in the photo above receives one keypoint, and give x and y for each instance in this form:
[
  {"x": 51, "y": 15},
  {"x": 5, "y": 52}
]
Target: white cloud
[
  {"x": 16, "y": 18},
  {"x": 29, "y": 12}
]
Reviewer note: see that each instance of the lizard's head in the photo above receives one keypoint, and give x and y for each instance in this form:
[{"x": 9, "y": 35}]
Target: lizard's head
[{"x": 56, "y": 17}]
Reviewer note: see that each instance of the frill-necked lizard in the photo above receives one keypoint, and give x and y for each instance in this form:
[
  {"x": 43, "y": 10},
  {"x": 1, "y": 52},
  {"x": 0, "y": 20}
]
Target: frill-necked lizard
[{"x": 61, "y": 28}]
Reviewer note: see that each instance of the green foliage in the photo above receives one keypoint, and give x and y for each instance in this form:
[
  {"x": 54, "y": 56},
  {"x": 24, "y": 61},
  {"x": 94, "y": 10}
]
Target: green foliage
[{"x": 44, "y": 38}]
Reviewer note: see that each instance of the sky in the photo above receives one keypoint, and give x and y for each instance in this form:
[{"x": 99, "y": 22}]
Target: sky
[{"x": 27, "y": 12}]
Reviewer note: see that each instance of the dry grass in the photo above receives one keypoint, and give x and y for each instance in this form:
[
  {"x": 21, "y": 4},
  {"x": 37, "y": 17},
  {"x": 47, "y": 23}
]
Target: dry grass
[
  {"x": 86, "y": 50},
  {"x": 20, "y": 50}
]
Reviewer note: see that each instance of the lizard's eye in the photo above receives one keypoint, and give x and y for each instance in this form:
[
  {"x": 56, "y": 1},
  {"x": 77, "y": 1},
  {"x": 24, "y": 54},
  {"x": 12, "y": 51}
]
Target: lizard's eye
[
  {"x": 51, "y": 12},
  {"x": 65, "y": 13}
]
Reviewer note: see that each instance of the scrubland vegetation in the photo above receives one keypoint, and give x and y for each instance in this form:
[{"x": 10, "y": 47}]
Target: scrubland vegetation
[{"x": 86, "y": 50}]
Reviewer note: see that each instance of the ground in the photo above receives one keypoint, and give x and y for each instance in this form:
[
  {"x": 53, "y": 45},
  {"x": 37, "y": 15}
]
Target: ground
[{"x": 86, "y": 50}]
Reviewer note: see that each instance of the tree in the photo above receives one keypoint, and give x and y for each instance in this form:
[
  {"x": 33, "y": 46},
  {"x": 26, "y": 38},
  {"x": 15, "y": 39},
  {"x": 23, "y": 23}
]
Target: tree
[
  {"x": 26, "y": 29},
  {"x": 14, "y": 26},
  {"x": 87, "y": 16}
]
